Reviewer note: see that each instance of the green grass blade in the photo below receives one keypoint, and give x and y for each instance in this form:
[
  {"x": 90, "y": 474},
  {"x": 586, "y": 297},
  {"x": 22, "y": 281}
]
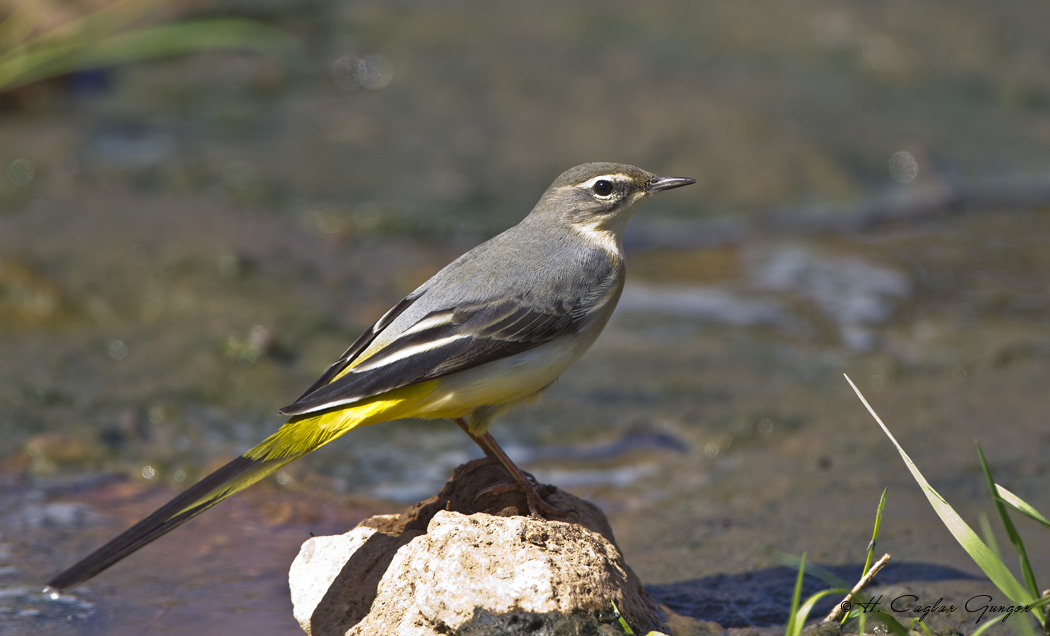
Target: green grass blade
[
  {"x": 980, "y": 553},
  {"x": 1019, "y": 621},
  {"x": 196, "y": 35},
  {"x": 24, "y": 66},
  {"x": 871, "y": 551},
  {"x": 795, "y": 563},
  {"x": 794, "y": 628},
  {"x": 799, "y": 613},
  {"x": 920, "y": 623},
  {"x": 989, "y": 536},
  {"x": 623, "y": 621},
  {"x": 1020, "y": 505},
  {"x": 875, "y": 532},
  {"x": 1043, "y": 604},
  {"x": 1011, "y": 531},
  {"x": 1021, "y": 624}
]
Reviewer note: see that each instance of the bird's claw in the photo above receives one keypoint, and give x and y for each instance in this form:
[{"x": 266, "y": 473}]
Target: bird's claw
[{"x": 539, "y": 508}]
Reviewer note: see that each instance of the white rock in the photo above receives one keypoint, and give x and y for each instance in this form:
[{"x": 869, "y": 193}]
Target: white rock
[{"x": 436, "y": 571}]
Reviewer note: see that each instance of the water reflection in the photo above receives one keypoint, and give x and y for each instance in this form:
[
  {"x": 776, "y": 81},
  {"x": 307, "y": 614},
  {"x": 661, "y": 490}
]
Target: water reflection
[
  {"x": 903, "y": 167},
  {"x": 21, "y": 172},
  {"x": 372, "y": 72}
]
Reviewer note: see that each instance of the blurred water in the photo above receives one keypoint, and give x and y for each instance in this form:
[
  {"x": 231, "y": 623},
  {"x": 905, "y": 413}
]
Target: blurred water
[{"x": 183, "y": 252}]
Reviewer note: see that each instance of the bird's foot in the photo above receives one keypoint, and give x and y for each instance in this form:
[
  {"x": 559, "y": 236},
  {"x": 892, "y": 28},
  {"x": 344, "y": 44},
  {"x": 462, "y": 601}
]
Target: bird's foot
[
  {"x": 539, "y": 508},
  {"x": 521, "y": 481}
]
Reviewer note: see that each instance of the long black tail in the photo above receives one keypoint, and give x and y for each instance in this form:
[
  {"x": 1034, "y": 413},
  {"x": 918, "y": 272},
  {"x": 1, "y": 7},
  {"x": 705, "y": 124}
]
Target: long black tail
[
  {"x": 228, "y": 480},
  {"x": 297, "y": 437}
]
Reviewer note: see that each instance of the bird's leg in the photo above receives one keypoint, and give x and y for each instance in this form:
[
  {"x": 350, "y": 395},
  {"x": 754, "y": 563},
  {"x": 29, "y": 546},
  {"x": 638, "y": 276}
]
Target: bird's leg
[
  {"x": 466, "y": 429},
  {"x": 493, "y": 451},
  {"x": 536, "y": 503}
]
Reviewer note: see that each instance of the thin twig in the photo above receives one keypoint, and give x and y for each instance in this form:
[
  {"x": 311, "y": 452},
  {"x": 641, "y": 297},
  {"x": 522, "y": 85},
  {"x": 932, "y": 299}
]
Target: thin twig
[{"x": 837, "y": 613}]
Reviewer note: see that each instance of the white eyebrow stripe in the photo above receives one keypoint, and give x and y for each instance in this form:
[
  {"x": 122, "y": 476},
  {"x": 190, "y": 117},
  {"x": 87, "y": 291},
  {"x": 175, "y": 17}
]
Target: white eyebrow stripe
[{"x": 618, "y": 177}]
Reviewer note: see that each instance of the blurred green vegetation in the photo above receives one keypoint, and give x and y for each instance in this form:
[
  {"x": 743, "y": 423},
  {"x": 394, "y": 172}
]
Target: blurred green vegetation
[{"x": 41, "y": 40}]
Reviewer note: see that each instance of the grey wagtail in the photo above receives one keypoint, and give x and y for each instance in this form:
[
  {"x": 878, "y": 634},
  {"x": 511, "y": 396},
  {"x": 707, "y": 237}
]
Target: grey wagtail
[{"x": 490, "y": 331}]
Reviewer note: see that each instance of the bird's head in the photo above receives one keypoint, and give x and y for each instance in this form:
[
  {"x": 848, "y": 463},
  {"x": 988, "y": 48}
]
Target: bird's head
[{"x": 597, "y": 199}]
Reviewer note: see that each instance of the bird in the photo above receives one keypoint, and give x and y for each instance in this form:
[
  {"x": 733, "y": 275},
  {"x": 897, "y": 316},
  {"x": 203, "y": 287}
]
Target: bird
[{"x": 488, "y": 333}]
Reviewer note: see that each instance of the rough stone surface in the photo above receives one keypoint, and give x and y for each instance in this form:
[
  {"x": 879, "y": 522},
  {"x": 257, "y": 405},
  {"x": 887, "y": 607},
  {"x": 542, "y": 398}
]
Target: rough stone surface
[{"x": 450, "y": 565}]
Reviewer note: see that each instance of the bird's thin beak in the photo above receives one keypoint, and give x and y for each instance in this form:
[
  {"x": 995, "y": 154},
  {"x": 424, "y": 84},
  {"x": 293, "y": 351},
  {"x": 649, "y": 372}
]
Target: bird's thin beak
[{"x": 656, "y": 184}]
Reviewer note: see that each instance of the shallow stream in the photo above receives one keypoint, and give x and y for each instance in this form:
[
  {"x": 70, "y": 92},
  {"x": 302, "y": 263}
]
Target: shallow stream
[{"x": 187, "y": 246}]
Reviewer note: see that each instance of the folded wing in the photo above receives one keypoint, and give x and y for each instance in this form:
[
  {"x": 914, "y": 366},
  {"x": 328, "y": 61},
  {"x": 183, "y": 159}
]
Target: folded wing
[{"x": 442, "y": 342}]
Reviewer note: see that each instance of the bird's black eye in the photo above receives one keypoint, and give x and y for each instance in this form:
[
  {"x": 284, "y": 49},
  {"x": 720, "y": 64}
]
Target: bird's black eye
[{"x": 603, "y": 187}]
